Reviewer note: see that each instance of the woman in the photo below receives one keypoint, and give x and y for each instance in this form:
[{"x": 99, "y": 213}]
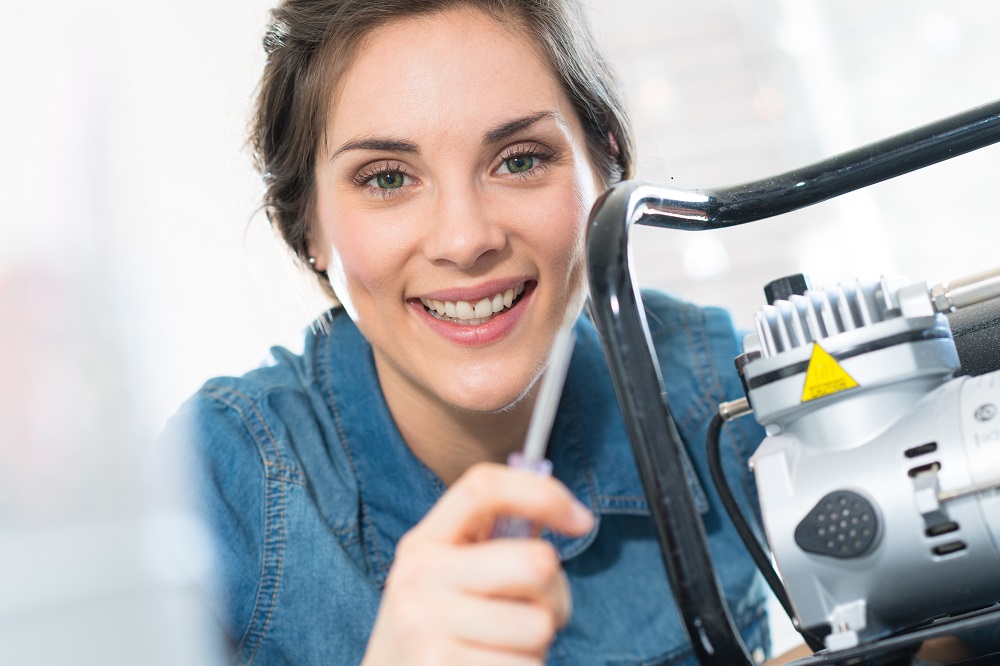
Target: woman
[{"x": 434, "y": 163}]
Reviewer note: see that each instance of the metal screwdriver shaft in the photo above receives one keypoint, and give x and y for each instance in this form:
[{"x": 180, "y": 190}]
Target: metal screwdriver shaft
[{"x": 532, "y": 457}]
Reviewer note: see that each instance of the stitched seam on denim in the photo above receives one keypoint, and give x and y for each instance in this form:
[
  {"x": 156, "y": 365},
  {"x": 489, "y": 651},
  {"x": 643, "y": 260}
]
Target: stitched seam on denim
[
  {"x": 717, "y": 385},
  {"x": 623, "y": 511},
  {"x": 670, "y": 659},
  {"x": 627, "y": 498},
  {"x": 277, "y": 544},
  {"x": 697, "y": 335},
  {"x": 622, "y": 505},
  {"x": 431, "y": 476},
  {"x": 372, "y": 555},
  {"x": 253, "y": 636},
  {"x": 291, "y": 474}
]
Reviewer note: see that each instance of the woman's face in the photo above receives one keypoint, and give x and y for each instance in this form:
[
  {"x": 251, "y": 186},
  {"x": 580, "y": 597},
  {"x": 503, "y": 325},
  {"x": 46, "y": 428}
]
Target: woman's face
[{"x": 453, "y": 189}]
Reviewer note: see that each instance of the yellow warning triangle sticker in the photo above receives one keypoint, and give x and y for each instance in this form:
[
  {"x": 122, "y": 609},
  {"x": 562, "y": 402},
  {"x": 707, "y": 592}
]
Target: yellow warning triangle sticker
[{"x": 825, "y": 376}]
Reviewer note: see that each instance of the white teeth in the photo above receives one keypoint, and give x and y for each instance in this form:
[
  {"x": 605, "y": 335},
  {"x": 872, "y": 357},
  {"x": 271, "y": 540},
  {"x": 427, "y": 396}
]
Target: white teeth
[{"x": 468, "y": 313}]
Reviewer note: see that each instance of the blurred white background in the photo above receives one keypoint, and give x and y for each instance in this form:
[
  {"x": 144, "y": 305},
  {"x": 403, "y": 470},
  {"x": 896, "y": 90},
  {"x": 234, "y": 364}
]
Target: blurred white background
[{"x": 134, "y": 263}]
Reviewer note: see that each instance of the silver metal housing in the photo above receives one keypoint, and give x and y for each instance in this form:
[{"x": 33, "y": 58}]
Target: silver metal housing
[{"x": 905, "y": 437}]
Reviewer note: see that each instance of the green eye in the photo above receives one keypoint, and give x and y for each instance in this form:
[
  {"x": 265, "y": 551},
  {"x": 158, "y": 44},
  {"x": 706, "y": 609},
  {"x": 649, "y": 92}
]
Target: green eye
[
  {"x": 390, "y": 180},
  {"x": 520, "y": 164}
]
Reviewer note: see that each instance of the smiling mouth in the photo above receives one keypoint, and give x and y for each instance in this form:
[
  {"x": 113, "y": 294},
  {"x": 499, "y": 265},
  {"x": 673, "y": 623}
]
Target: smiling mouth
[{"x": 471, "y": 314}]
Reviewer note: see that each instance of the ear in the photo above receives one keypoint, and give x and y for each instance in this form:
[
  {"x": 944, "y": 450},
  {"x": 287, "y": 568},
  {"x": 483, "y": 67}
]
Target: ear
[
  {"x": 316, "y": 258},
  {"x": 613, "y": 144}
]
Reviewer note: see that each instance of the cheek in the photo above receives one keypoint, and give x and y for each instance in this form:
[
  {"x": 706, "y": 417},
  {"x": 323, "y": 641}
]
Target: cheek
[
  {"x": 365, "y": 256},
  {"x": 371, "y": 261},
  {"x": 357, "y": 253},
  {"x": 567, "y": 237}
]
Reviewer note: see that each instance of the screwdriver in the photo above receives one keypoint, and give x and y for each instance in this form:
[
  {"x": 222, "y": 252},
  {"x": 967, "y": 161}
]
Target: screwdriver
[{"x": 532, "y": 457}]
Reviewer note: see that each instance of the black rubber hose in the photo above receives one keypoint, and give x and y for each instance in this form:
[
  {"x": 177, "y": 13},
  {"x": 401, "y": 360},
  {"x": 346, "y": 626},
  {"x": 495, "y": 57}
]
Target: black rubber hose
[{"x": 760, "y": 558}]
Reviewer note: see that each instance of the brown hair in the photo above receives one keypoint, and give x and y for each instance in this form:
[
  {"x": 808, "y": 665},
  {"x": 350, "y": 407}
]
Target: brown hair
[{"x": 309, "y": 44}]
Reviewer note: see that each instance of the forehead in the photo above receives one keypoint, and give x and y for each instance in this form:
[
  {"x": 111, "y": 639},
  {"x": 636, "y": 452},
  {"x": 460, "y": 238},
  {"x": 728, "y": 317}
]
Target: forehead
[{"x": 444, "y": 72}]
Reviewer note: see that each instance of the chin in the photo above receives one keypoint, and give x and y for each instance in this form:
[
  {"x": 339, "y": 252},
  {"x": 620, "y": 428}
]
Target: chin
[{"x": 487, "y": 399}]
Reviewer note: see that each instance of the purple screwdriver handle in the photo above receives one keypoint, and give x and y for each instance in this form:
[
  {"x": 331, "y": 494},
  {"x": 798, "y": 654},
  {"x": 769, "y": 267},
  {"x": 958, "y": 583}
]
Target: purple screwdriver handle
[{"x": 508, "y": 527}]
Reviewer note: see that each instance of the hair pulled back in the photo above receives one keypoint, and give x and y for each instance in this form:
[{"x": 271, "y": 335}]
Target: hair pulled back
[{"x": 310, "y": 43}]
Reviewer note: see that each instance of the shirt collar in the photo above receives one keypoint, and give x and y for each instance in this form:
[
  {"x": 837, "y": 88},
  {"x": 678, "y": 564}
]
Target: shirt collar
[{"x": 589, "y": 448}]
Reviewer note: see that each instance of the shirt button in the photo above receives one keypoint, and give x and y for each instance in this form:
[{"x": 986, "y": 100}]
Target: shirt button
[{"x": 758, "y": 655}]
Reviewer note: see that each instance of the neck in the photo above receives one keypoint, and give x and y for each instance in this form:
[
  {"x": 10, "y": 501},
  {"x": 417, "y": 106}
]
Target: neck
[{"x": 450, "y": 440}]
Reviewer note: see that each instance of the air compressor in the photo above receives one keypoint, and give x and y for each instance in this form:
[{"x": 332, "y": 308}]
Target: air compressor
[{"x": 879, "y": 480}]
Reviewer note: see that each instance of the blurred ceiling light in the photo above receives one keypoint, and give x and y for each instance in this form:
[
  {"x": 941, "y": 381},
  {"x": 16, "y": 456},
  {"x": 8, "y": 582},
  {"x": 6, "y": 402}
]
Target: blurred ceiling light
[
  {"x": 796, "y": 34},
  {"x": 820, "y": 255},
  {"x": 941, "y": 32},
  {"x": 768, "y": 103},
  {"x": 655, "y": 93},
  {"x": 705, "y": 257}
]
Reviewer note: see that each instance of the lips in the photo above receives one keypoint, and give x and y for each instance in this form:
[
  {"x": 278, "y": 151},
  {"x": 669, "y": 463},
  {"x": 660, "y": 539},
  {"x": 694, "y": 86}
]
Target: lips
[{"x": 471, "y": 313}]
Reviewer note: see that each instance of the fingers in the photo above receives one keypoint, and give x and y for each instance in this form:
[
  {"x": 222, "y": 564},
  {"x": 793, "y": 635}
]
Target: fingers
[
  {"x": 523, "y": 569},
  {"x": 431, "y": 613},
  {"x": 516, "y": 569},
  {"x": 434, "y": 608},
  {"x": 389, "y": 648},
  {"x": 453, "y": 596},
  {"x": 459, "y": 653},
  {"x": 487, "y": 491},
  {"x": 502, "y": 625}
]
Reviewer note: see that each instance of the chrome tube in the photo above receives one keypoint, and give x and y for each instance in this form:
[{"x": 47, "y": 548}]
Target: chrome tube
[{"x": 964, "y": 292}]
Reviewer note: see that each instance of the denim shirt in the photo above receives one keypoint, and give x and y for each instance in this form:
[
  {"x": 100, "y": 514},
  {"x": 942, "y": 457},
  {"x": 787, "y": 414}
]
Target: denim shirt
[{"x": 307, "y": 486}]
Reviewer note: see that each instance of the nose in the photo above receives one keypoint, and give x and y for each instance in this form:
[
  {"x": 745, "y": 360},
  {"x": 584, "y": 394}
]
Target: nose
[{"x": 464, "y": 227}]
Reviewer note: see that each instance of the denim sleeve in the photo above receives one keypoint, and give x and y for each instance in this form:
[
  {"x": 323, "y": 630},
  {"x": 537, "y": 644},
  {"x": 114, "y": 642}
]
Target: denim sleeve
[{"x": 225, "y": 482}]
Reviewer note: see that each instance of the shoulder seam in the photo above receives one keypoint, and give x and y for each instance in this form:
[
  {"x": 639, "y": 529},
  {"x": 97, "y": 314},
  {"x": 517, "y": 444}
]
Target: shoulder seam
[
  {"x": 275, "y": 466},
  {"x": 276, "y": 477}
]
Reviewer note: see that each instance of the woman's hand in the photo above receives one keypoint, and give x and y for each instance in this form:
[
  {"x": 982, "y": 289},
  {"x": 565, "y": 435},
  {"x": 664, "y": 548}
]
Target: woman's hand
[{"x": 455, "y": 597}]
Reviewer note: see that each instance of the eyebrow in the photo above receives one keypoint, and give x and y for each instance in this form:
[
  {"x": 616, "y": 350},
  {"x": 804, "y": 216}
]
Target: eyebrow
[
  {"x": 388, "y": 145},
  {"x": 511, "y": 127},
  {"x": 498, "y": 133}
]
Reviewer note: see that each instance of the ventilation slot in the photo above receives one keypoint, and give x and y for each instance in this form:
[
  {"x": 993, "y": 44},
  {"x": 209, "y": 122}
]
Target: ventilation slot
[
  {"x": 949, "y": 548},
  {"x": 922, "y": 450},
  {"x": 943, "y": 528},
  {"x": 929, "y": 468}
]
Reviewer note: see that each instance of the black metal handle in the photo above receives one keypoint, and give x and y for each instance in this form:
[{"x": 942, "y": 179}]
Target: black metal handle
[{"x": 634, "y": 367}]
